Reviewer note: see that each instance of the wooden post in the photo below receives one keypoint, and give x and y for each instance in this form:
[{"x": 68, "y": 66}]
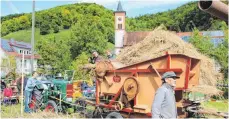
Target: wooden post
[{"x": 155, "y": 70}]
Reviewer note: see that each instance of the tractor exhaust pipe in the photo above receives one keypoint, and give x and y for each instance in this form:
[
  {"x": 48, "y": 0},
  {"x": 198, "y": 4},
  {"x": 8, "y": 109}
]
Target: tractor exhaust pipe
[{"x": 215, "y": 8}]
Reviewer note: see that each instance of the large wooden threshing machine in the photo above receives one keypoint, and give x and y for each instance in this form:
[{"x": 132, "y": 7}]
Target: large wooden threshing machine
[{"x": 130, "y": 90}]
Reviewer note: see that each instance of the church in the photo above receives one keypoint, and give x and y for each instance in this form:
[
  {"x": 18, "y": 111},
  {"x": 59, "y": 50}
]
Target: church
[{"x": 124, "y": 38}]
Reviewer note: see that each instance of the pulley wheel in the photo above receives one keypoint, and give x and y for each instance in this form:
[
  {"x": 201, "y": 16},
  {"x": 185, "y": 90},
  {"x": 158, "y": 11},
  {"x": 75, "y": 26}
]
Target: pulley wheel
[{"x": 130, "y": 88}]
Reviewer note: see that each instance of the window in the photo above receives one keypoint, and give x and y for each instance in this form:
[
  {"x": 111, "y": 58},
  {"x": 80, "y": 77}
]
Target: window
[
  {"x": 20, "y": 51},
  {"x": 119, "y": 26},
  {"x": 25, "y": 64},
  {"x": 27, "y": 52}
]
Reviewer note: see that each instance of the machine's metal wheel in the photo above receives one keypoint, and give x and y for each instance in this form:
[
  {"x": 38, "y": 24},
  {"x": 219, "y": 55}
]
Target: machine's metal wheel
[
  {"x": 114, "y": 115},
  {"x": 130, "y": 88},
  {"x": 118, "y": 106},
  {"x": 80, "y": 105},
  {"x": 51, "y": 106}
]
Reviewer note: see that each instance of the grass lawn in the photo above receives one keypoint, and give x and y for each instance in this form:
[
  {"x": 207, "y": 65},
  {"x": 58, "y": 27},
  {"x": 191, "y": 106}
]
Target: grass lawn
[
  {"x": 218, "y": 106},
  {"x": 25, "y": 35},
  {"x": 14, "y": 111}
]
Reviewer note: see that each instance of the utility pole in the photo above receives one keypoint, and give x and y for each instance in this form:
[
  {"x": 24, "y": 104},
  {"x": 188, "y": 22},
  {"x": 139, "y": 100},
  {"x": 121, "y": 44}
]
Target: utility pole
[{"x": 32, "y": 38}]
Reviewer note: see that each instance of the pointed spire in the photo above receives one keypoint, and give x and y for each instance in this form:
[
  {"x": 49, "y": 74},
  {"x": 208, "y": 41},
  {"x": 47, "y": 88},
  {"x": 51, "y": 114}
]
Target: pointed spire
[{"x": 119, "y": 8}]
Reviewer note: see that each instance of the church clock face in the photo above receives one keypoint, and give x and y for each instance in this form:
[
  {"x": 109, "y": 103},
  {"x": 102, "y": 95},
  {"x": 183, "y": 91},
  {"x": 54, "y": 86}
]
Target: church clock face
[{"x": 119, "y": 18}]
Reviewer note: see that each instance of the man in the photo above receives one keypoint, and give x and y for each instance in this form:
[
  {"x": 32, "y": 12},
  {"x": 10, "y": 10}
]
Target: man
[
  {"x": 19, "y": 83},
  {"x": 110, "y": 56},
  {"x": 28, "y": 90},
  {"x": 59, "y": 76},
  {"x": 95, "y": 57},
  {"x": 164, "y": 104}
]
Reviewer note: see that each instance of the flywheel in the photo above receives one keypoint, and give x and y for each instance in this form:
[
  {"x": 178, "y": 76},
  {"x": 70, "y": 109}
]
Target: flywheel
[{"x": 130, "y": 88}]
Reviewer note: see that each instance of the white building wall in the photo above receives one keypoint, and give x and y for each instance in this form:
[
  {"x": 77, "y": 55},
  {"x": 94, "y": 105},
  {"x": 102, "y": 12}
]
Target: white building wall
[
  {"x": 2, "y": 56},
  {"x": 119, "y": 40},
  {"x": 19, "y": 50},
  {"x": 27, "y": 65}
]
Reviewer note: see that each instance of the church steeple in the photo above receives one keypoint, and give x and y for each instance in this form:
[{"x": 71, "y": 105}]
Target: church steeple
[
  {"x": 119, "y": 8},
  {"x": 120, "y": 18}
]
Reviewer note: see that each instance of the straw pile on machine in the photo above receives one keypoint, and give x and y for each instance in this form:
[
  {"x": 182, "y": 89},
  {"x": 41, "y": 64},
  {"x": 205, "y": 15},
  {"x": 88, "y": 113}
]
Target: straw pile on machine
[{"x": 158, "y": 42}]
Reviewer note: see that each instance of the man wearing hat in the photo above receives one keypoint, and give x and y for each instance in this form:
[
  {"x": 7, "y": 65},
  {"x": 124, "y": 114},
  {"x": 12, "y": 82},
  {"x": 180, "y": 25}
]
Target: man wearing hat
[
  {"x": 164, "y": 104},
  {"x": 95, "y": 57}
]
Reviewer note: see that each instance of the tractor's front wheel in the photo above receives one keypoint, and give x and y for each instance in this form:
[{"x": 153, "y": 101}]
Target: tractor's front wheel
[{"x": 51, "y": 106}]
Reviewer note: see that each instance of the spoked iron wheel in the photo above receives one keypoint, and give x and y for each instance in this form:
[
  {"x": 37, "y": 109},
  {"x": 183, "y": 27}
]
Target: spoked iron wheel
[{"x": 81, "y": 104}]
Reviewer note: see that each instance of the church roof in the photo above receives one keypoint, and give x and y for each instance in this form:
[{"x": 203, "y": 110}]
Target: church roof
[
  {"x": 119, "y": 8},
  {"x": 132, "y": 38}
]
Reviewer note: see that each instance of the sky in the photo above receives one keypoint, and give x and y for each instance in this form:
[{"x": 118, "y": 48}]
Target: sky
[{"x": 133, "y": 8}]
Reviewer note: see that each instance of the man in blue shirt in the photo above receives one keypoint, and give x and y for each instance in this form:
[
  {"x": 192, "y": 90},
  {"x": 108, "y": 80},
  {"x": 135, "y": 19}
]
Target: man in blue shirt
[{"x": 28, "y": 90}]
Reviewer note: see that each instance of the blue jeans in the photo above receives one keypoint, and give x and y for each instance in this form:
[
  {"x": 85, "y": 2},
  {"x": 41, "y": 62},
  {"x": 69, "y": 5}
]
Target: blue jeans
[{"x": 28, "y": 96}]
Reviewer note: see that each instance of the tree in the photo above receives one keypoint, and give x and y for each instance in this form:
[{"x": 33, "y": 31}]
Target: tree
[
  {"x": 45, "y": 28},
  {"x": 24, "y": 22},
  {"x": 8, "y": 66},
  {"x": 86, "y": 35},
  {"x": 221, "y": 51},
  {"x": 66, "y": 18},
  {"x": 202, "y": 43},
  {"x": 55, "y": 53},
  {"x": 56, "y": 28},
  {"x": 4, "y": 29},
  {"x": 77, "y": 64}
]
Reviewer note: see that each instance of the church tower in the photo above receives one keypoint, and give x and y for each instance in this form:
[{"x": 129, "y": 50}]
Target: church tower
[{"x": 120, "y": 17}]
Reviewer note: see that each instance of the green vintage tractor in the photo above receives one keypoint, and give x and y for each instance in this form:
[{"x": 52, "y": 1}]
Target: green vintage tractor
[{"x": 54, "y": 95}]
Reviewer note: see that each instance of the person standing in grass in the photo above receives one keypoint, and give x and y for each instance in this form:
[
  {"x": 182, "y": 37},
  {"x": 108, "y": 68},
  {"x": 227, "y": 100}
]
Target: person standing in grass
[
  {"x": 28, "y": 91},
  {"x": 164, "y": 104}
]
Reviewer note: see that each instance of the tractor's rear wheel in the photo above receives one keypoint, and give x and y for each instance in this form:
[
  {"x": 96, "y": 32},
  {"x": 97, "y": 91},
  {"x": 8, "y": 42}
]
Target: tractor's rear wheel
[
  {"x": 37, "y": 99},
  {"x": 51, "y": 106}
]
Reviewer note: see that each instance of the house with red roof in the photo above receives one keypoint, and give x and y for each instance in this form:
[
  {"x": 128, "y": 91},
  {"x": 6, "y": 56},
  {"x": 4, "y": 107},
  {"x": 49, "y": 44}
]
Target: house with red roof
[{"x": 16, "y": 49}]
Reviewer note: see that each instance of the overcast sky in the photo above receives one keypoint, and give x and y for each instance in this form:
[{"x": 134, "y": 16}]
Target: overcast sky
[{"x": 133, "y": 8}]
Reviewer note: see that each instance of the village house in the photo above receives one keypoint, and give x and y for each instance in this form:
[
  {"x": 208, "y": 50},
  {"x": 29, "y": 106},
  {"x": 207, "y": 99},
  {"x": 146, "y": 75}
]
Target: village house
[{"x": 15, "y": 49}]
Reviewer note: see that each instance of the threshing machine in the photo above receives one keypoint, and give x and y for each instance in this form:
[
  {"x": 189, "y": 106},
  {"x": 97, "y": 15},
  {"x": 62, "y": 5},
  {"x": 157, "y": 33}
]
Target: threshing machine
[{"x": 130, "y": 90}]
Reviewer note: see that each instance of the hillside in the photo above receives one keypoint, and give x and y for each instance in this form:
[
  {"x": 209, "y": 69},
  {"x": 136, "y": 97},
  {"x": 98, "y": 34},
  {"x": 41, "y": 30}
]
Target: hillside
[
  {"x": 58, "y": 18},
  {"x": 183, "y": 18},
  {"x": 25, "y": 36}
]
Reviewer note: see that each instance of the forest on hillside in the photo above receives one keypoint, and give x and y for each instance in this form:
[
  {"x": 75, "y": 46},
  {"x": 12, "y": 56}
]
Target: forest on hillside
[
  {"x": 181, "y": 19},
  {"x": 86, "y": 26}
]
